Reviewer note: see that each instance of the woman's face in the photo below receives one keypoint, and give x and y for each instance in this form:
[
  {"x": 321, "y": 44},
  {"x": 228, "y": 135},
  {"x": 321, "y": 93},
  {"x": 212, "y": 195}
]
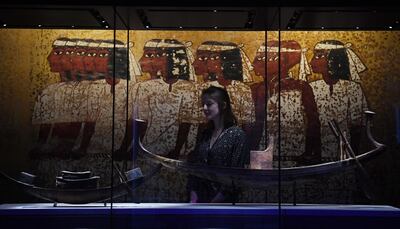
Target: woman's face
[{"x": 210, "y": 108}]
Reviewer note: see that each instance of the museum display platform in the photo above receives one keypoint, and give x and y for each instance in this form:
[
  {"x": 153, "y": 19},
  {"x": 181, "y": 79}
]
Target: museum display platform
[{"x": 181, "y": 215}]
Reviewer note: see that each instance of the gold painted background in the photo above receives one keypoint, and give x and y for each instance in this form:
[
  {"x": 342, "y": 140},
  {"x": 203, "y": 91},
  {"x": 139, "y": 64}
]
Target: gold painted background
[{"x": 24, "y": 72}]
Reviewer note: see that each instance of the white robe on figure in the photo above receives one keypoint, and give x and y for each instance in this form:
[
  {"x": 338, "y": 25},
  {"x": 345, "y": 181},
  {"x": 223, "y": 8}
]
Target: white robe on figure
[
  {"x": 164, "y": 111},
  {"x": 292, "y": 126},
  {"x": 346, "y": 104}
]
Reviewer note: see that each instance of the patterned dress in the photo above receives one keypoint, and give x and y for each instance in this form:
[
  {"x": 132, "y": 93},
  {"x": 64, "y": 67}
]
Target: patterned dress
[{"x": 231, "y": 149}]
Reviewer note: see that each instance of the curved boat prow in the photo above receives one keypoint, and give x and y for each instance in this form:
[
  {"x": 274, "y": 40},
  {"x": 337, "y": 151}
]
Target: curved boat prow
[
  {"x": 370, "y": 115},
  {"x": 262, "y": 178}
]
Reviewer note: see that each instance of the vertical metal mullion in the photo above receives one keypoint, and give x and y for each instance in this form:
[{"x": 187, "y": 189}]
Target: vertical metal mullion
[
  {"x": 279, "y": 122},
  {"x": 113, "y": 115}
]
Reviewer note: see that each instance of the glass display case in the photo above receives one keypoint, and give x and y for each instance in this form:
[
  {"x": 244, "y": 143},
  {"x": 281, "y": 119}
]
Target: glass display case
[{"x": 170, "y": 116}]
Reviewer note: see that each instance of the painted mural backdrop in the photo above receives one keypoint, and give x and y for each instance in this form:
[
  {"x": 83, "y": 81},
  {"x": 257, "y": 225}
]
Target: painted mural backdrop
[{"x": 64, "y": 110}]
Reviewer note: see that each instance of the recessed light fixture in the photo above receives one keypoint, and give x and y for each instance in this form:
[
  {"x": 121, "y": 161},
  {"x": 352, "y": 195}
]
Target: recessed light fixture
[
  {"x": 4, "y": 25},
  {"x": 215, "y": 11},
  {"x": 215, "y": 27},
  {"x": 357, "y": 27},
  {"x": 390, "y": 27},
  {"x": 72, "y": 26},
  {"x": 288, "y": 27},
  {"x": 106, "y": 26},
  {"x": 39, "y": 25},
  {"x": 180, "y": 27},
  {"x": 322, "y": 27},
  {"x": 147, "y": 26},
  {"x": 103, "y": 21}
]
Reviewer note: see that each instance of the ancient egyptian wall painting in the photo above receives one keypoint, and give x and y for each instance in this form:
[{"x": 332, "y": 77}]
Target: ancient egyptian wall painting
[{"x": 70, "y": 97}]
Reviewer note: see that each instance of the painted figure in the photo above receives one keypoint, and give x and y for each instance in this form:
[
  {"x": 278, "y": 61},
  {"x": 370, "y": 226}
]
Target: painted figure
[
  {"x": 60, "y": 110},
  {"x": 168, "y": 101},
  {"x": 339, "y": 94},
  {"x": 298, "y": 116},
  {"x": 109, "y": 90},
  {"x": 68, "y": 111}
]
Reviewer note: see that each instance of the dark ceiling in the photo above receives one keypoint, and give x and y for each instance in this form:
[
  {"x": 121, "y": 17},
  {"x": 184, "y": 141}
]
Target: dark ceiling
[{"x": 238, "y": 16}]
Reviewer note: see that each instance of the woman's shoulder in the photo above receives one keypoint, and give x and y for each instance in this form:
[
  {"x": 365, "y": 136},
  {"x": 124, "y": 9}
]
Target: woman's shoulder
[{"x": 236, "y": 131}]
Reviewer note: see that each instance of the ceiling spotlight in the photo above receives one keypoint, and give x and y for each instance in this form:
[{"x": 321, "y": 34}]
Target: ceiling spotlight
[
  {"x": 390, "y": 27},
  {"x": 357, "y": 27},
  {"x": 72, "y": 26},
  {"x": 147, "y": 26},
  {"x": 288, "y": 27},
  {"x": 322, "y": 27},
  {"x": 39, "y": 25},
  {"x": 106, "y": 26},
  {"x": 215, "y": 27},
  {"x": 4, "y": 25},
  {"x": 215, "y": 11},
  {"x": 180, "y": 27},
  {"x": 103, "y": 21}
]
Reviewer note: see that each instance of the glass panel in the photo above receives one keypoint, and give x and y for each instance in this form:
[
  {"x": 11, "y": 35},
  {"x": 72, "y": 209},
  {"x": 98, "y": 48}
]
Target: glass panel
[
  {"x": 81, "y": 86},
  {"x": 124, "y": 68},
  {"x": 56, "y": 110},
  {"x": 175, "y": 64},
  {"x": 331, "y": 72},
  {"x": 66, "y": 88}
]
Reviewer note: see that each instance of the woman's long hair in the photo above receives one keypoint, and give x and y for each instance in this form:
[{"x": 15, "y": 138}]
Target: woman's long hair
[{"x": 221, "y": 96}]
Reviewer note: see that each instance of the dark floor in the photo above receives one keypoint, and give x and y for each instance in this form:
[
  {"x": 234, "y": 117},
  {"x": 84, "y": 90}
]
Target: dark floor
[{"x": 148, "y": 215}]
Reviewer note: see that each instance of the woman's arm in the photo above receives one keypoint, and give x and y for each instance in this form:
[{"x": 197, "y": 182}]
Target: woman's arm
[
  {"x": 193, "y": 197},
  {"x": 240, "y": 151}
]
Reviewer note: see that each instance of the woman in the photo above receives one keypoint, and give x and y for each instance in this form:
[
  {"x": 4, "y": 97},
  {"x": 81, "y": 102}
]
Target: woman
[
  {"x": 223, "y": 144},
  {"x": 167, "y": 101},
  {"x": 225, "y": 65}
]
